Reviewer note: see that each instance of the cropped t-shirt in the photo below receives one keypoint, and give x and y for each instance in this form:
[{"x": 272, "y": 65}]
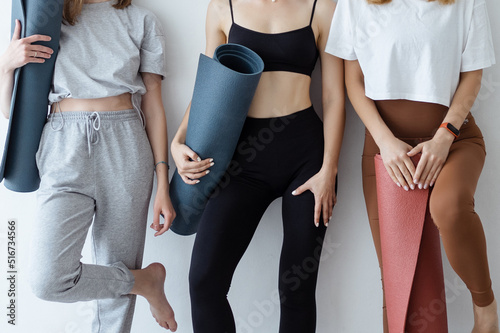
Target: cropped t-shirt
[
  {"x": 103, "y": 54},
  {"x": 413, "y": 49}
]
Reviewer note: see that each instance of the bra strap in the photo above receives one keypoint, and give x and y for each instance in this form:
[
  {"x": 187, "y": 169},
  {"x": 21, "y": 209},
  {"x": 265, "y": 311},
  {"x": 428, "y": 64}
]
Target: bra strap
[
  {"x": 231, "y": 6},
  {"x": 312, "y": 14}
]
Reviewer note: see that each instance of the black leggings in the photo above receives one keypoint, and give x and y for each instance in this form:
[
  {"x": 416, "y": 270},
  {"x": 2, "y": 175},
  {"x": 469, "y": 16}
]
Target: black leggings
[{"x": 273, "y": 158}]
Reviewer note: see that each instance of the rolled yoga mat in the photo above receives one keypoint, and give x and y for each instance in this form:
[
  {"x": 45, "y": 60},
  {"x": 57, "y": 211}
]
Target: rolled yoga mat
[
  {"x": 29, "y": 104},
  {"x": 411, "y": 258},
  {"x": 224, "y": 89}
]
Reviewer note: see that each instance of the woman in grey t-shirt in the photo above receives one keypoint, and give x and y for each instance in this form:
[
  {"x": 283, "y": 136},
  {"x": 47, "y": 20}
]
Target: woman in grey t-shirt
[{"x": 105, "y": 136}]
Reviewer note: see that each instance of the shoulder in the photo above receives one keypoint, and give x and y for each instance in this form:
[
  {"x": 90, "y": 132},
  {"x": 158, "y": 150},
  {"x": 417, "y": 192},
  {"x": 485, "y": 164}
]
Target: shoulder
[
  {"x": 218, "y": 7},
  {"x": 147, "y": 17}
]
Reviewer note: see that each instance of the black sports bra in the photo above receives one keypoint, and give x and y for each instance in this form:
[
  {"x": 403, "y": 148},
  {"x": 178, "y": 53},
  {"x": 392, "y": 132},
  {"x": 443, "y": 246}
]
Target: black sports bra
[{"x": 291, "y": 51}]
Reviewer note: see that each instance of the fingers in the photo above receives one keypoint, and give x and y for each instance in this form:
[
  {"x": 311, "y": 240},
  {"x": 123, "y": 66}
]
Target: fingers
[
  {"x": 301, "y": 189},
  {"x": 169, "y": 217},
  {"x": 37, "y": 38},
  {"x": 317, "y": 211},
  {"x": 17, "y": 31},
  {"x": 417, "y": 149},
  {"x": 40, "y": 49},
  {"x": 189, "y": 181},
  {"x": 436, "y": 174}
]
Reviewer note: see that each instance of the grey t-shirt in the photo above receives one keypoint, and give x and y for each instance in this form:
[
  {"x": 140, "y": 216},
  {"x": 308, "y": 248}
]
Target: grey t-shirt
[{"x": 103, "y": 54}]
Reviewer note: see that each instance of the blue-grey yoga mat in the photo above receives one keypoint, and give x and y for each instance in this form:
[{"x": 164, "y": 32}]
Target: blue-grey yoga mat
[
  {"x": 29, "y": 105},
  {"x": 224, "y": 89}
]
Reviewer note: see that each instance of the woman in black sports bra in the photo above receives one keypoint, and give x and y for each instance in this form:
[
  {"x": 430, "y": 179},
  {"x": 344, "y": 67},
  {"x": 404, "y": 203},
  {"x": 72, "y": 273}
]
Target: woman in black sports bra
[{"x": 281, "y": 153}]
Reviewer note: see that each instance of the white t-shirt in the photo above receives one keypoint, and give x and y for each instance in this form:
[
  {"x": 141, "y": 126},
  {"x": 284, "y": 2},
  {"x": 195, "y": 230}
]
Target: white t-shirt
[
  {"x": 103, "y": 54},
  {"x": 413, "y": 49}
]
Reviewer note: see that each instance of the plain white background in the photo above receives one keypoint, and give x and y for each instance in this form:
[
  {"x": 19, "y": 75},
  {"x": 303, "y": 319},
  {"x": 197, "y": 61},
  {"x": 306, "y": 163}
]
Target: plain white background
[{"x": 348, "y": 295}]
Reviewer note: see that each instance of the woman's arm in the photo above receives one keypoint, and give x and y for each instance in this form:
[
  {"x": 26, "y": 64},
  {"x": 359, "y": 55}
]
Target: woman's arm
[
  {"x": 189, "y": 165},
  {"x": 19, "y": 53},
  {"x": 393, "y": 151},
  {"x": 332, "y": 68},
  {"x": 435, "y": 151},
  {"x": 156, "y": 129}
]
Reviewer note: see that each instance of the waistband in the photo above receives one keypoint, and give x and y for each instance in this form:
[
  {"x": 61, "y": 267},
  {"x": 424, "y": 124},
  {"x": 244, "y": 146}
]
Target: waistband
[
  {"x": 298, "y": 114},
  {"x": 79, "y": 116}
]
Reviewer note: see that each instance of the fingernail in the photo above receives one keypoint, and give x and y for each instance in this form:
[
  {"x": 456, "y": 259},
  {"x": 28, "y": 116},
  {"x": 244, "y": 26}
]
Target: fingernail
[
  {"x": 326, "y": 225},
  {"x": 211, "y": 160},
  {"x": 412, "y": 186},
  {"x": 198, "y": 159},
  {"x": 420, "y": 186},
  {"x": 208, "y": 171},
  {"x": 415, "y": 181},
  {"x": 398, "y": 184},
  {"x": 431, "y": 184},
  {"x": 406, "y": 188},
  {"x": 317, "y": 224},
  {"x": 425, "y": 187},
  {"x": 198, "y": 181},
  {"x": 294, "y": 192},
  {"x": 212, "y": 164}
]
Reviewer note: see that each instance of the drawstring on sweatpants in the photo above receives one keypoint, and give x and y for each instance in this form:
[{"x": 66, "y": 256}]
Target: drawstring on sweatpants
[{"x": 93, "y": 125}]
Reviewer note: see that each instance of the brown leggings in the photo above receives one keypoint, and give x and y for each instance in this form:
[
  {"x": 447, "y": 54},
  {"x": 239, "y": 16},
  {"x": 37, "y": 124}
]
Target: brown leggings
[{"x": 452, "y": 198}]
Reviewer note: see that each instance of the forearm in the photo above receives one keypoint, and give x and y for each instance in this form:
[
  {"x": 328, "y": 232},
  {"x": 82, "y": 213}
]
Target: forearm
[
  {"x": 364, "y": 106},
  {"x": 180, "y": 136},
  {"x": 6, "y": 86},
  {"x": 333, "y": 125},
  {"x": 465, "y": 96},
  {"x": 156, "y": 130}
]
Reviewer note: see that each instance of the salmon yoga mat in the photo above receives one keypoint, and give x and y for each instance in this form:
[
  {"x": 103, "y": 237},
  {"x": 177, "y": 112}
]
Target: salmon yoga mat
[
  {"x": 411, "y": 258},
  {"x": 224, "y": 89},
  {"x": 29, "y": 104}
]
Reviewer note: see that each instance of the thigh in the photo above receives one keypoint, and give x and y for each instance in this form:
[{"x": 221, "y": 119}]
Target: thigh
[
  {"x": 63, "y": 221},
  {"x": 457, "y": 182},
  {"x": 123, "y": 192},
  {"x": 227, "y": 227},
  {"x": 65, "y": 206},
  {"x": 302, "y": 240}
]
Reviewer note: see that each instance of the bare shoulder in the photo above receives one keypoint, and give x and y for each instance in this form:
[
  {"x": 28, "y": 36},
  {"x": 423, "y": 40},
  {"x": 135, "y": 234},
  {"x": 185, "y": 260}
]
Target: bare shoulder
[
  {"x": 218, "y": 7},
  {"x": 325, "y": 8},
  {"x": 323, "y": 14}
]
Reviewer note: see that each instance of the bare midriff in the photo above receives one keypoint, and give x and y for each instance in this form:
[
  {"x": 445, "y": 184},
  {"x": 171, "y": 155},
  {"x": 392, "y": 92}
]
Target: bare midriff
[
  {"x": 114, "y": 103},
  {"x": 280, "y": 94}
]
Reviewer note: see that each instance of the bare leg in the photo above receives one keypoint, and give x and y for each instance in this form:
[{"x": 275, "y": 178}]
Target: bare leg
[
  {"x": 486, "y": 319},
  {"x": 149, "y": 283}
]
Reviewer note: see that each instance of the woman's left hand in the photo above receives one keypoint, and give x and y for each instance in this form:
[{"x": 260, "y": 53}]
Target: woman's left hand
[
  {"x": 162, "y": 206},
  {"x": 434, "y": 155},
  {"x": 322, "y": 185}
]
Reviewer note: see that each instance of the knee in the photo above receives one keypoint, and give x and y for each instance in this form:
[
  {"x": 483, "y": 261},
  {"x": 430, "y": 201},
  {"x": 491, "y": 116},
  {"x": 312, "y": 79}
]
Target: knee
[
  {"x": 447, "y": 210},
  {"x": 51, "y": 284},
  {"x": 204, "y": 284}
]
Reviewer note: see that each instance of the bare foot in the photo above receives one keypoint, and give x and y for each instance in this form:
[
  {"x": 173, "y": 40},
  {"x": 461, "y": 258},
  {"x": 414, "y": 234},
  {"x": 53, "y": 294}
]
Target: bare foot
[
  {"x": 149, "y": 283},
  {"x": 486, "y": 319}
]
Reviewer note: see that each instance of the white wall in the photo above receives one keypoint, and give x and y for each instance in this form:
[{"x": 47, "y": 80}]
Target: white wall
[{"x": 349, "y": 293}]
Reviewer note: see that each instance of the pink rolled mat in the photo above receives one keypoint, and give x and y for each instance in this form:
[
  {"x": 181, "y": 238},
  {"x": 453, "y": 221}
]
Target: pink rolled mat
[{"x": 411, "y": 258}]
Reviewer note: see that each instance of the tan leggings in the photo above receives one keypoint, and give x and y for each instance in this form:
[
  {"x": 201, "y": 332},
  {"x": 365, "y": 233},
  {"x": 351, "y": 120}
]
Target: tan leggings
[{"x": 452, "y": 197}]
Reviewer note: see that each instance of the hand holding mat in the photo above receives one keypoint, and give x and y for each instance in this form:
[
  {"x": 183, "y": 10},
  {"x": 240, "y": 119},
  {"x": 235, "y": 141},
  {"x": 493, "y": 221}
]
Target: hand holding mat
[
  {"x": 29, "y": 104},
  {"x": 411, "y": 258},
  {"x": 224, "y": 89}
]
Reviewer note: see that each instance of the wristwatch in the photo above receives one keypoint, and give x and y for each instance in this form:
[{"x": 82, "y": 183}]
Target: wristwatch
[{"x": 452, "y": 129}]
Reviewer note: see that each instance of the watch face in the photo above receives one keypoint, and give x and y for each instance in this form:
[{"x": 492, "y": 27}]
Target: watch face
[{"x": 453, "y": 129}]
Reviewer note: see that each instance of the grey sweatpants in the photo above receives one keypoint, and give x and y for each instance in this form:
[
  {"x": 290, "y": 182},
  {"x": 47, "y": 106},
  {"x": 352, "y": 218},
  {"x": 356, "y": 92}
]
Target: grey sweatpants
[{"x": 96, "y": 169}]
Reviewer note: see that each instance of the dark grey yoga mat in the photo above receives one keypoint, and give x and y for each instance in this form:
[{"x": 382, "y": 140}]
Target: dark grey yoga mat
[
  {"x": 224, "y": 89},
  {"x": 29, "y": 105}
]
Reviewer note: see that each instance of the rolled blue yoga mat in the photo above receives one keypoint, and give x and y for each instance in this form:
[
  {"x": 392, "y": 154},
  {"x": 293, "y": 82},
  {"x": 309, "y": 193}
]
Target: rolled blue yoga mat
[
  {"x": 224, "y": 89},
  {"x": 29, "y": 105}
]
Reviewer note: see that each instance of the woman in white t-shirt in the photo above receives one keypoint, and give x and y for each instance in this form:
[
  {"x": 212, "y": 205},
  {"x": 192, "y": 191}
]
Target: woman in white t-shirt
[{"x": 413, "y": 72}]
